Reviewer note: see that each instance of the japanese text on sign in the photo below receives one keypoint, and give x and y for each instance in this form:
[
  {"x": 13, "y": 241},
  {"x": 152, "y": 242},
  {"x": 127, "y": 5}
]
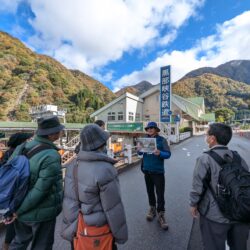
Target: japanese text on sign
[{"x": 165, "y": 94}]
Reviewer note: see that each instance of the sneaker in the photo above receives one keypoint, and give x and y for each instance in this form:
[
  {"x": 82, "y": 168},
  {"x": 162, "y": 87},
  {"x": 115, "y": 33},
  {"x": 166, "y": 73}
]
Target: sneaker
[
  {"x": 151, "y": 213},
  {"x": 162, "y": 221}
]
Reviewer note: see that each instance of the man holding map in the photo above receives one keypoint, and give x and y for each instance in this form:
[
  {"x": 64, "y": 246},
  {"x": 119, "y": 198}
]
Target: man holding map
[{"x": 154, "y": 149}]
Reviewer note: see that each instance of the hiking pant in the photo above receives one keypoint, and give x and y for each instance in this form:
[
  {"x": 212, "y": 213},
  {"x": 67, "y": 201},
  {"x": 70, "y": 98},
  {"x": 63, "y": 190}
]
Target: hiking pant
[
  {"x": 155, "y": 182},
  {"x": 41, "y": 234},
  {"x": 10, "y": 233},
  {"x": 214, "y": 235}
]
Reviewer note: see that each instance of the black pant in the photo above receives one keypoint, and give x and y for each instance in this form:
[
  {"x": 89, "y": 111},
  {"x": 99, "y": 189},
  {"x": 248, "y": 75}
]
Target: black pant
[
  {"x": 10, "y": 233},
  {"x": 155, "y": 182},
  {"x": 214, "y": 235},
  {"x": 41, "y": 235}
]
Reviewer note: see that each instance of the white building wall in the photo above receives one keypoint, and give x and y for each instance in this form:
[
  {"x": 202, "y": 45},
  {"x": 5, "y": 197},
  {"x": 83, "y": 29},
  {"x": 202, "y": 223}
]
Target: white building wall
[
  {"x": 134, "y": 107},
  {"x": 125, "y": 105},
  {"x": 117, "y": 107},
  {"x": 151, "y": 107}
]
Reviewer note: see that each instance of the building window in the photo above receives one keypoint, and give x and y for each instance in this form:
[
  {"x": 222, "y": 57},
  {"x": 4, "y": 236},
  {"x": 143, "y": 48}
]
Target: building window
[
  {"x": 137, "y": 116},
  {"x": 120, "y": 116},
  {"x": 131, "y": 116},
  {"x": 111, "y": 116}
]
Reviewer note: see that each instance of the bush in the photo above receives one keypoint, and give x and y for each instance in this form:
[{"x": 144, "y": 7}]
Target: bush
[
  {"x": 245, "y": 127},
  {"x": 186, "y": 129}
]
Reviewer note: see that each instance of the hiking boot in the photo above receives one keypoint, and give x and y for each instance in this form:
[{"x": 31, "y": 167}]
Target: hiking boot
[
  {"x": 162, "y": 221},
  {"x": 151, "y": 213}
]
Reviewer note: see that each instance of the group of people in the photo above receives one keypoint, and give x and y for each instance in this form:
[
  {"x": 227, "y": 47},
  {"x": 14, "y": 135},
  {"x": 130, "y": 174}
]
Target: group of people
[{"x": 98, "y": 195}]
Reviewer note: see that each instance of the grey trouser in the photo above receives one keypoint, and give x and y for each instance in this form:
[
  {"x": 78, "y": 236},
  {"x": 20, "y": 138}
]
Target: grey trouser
[
  {"x": 214, "y": 235},
  {"x": 41, "y": 234}
]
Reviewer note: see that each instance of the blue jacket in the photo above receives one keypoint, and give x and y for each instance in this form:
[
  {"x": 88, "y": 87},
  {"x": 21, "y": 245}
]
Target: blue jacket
[{"x": 153, "y": 163}]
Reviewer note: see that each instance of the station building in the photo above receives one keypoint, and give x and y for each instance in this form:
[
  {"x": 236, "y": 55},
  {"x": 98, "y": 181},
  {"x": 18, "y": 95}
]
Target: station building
[{"x": 127, "y": 115}]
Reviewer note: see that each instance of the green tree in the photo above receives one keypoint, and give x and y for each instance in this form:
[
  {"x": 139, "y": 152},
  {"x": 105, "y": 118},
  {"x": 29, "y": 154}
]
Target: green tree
[{"x": 224, "y": 115}]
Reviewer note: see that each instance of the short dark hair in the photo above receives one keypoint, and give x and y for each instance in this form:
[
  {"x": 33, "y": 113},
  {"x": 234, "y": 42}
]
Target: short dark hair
[
  {"x": 222, "y": 132},
  {"x": 100, "y": 123},
  {"x": 18, "y": 138}
]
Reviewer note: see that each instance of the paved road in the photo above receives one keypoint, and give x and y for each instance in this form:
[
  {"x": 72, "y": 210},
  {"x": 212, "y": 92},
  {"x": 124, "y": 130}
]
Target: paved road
[{"x": 182, "y": 234}]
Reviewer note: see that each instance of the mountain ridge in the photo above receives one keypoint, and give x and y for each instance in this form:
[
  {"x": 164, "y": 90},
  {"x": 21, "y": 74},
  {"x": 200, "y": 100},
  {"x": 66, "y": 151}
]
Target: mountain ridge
[
  {"x": 218, "y": 92},
  {"x": 238, "y": 70},
  {"x": 43, "y": 80},
  {"x": 136, "y": 89},
  {"x": 28, "y": 79}
]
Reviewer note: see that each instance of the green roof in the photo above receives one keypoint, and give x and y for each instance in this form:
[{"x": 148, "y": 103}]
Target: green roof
[
  {"x": 187, "y": 106},
  {"x": 33, "y": 125},
  {"x": 209, "y": 117},
  {"x": 197, "y": 100}
]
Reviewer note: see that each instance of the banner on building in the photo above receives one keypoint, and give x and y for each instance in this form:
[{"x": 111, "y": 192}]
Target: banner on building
[
  {"x": 126, "y": 127},
  {"x": 165, "y": 95}
]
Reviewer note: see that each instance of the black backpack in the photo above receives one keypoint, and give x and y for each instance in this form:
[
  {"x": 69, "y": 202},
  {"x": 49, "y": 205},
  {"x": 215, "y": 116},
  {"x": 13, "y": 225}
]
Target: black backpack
[{"x": 233, "y": 187}]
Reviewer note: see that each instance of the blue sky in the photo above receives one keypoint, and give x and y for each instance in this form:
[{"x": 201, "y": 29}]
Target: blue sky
[{"x": 122, "y": 42}]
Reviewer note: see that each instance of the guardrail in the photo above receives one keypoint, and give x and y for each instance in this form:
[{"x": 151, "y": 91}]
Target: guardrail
[
  {"x": 185, "y": 135},
  {"x": 125, "y": 156}
]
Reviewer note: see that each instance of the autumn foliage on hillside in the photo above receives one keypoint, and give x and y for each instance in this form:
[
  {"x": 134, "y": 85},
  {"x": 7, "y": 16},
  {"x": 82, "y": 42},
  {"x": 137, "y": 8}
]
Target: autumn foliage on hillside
[
  {"x": 28, "y": 79},
  {"x": 219, "y": 92}
]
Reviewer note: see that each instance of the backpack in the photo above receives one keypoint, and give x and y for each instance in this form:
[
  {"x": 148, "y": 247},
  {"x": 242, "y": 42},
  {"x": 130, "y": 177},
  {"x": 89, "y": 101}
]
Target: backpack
[
  {"x": 233, "y": 188},
  {"x": 14, "y": 179}
]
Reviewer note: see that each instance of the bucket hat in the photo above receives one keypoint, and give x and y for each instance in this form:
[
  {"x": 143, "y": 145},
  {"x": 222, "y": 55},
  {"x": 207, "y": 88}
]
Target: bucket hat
[
  {"x": 49, "y": 125},
  {"x": 152, "y": 125},
  {"x": 93, "y": 137}
]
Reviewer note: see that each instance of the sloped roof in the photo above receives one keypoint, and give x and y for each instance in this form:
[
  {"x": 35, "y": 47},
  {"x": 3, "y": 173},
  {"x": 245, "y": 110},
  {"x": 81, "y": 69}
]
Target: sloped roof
[
  {"x": 33, "y": 125},
  {"x": 187, "y": 106},
  {"x": 209, "y": 117},
  {"x": 127, "y": 94},
  {"x": 197, "y": 100}
]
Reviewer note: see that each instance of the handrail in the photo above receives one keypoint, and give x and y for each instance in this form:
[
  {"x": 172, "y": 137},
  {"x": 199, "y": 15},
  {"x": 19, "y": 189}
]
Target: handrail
[{"x": 73, "y": 142}]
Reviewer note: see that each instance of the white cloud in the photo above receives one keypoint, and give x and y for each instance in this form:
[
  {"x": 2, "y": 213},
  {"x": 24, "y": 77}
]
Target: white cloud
[
  {"x": 231, "y": 42},
  {"x": 100, "y": 31},
  {"x": 168, "y": 38},
  {"x": 9, "y": 5}
]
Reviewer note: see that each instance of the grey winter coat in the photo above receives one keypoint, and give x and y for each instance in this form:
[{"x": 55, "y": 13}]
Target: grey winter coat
[
  {"x": 99, "y": 194},
  {"x": 207, "y": 205}
]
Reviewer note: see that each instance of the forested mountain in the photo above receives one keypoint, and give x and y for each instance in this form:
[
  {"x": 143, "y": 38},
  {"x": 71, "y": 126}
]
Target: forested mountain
[
  {"x": 219, "y": 92},
  {"x": 238, "y": 70},
  {"x": 28, "y": 79}
]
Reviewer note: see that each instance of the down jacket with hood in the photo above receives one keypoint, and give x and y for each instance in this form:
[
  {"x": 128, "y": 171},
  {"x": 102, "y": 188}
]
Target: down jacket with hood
[{"x": 99, "y": 195}]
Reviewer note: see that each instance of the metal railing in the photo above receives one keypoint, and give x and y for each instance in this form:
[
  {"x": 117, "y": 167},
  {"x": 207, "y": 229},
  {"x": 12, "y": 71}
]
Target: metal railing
[
  {"x": 185, "y": 135},
  {"x": 73, "y": 142}
]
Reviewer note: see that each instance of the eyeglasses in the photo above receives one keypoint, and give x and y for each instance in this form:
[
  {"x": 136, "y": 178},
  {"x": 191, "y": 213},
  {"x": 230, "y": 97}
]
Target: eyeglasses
[{"x": 150, "y": 127}]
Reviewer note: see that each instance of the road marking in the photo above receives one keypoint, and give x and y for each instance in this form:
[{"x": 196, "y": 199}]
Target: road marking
[
  {"x": 184, "y": 149},
  {"x": 188, "y": 154}
]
